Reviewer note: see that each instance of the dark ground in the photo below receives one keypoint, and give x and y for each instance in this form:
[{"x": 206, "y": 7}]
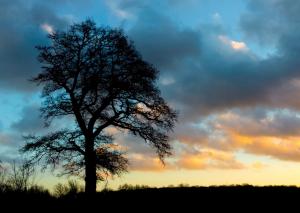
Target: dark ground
[{"x": 186, "y": 199}]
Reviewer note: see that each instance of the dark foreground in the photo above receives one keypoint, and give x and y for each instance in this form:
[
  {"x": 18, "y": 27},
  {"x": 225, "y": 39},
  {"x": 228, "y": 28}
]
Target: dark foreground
[{"x": 188, "y": 199}]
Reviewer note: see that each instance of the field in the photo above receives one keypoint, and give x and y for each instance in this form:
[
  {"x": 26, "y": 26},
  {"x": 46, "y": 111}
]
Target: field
[{"x": 143, "y": 199}]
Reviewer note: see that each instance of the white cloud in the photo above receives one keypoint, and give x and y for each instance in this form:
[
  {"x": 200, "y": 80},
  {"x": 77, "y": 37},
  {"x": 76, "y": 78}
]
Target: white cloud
[
  {"x": 236, "y": 45},
  {"x": 47, "y": 28},
  {"x": 117, "y": 10},
  {"x": 167, "y": 81}
]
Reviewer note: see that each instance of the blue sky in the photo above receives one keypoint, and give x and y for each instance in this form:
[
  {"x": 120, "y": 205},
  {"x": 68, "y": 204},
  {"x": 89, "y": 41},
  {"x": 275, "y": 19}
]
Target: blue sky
[{"x": 229, "y": 67}]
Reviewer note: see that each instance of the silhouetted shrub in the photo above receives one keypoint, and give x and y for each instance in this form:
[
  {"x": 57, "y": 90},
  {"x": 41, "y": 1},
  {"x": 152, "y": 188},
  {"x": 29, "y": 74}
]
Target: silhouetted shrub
[
  {"x": 72, "y": 187},
  {"x": 125, "y": 187}
]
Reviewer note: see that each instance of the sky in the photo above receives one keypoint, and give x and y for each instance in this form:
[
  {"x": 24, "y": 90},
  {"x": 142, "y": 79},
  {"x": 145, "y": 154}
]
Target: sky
[{"x": 230, "y": 68}]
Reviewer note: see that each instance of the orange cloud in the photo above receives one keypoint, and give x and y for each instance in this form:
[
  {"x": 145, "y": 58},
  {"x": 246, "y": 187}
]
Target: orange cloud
[
  {"x": 274, "y": 134},
  {"x": 213, "y": 143},
  {"x": 284, "y": 149},
  {"x": 206, "y": 159},
  {"x": 209, "y": 159},
  {"x": 258, "y": 165},
  {"x": 140, "y": 162},
  {"x": 280, "y": 147}
]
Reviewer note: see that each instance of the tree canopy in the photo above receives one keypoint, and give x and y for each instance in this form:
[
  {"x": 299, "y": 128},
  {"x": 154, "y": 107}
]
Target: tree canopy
[{"x": 96, "y": 76}]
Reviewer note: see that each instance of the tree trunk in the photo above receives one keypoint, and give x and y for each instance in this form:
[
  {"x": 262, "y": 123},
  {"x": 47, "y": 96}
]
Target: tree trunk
[{"x": 90, "y": 168}]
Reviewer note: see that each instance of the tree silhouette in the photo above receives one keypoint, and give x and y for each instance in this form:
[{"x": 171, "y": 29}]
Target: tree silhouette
[{"x": 97, "y": 76}]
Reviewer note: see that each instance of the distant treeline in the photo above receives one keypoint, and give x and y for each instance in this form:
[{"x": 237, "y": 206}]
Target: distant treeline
[
  {"x": 70, "y": 197},
  {"x": 19, "y": 191}
]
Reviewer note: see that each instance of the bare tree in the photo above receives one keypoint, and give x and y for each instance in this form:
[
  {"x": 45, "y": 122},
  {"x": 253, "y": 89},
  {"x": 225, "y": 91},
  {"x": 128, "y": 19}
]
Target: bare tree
[
  {"x": 3, "y": 177},
  {"x": 21, "y": 176},
  {"x": 96, "y": 75},
  {"x": 71, "y": 187}
]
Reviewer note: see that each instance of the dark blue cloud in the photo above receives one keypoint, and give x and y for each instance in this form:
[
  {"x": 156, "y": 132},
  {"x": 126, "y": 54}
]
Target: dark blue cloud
[
  {"x": 162, "y": 42},
  {"x": 30, "y": 122},
  {"x": 20, "y": 32},
  {"x": 207, "y": 74},
  {"x": 201, "y": 72},
  {"x": 267, "y": 22}
]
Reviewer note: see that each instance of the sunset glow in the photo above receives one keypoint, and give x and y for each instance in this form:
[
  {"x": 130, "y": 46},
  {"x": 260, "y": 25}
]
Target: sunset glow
[{"x": 230, "y": 70}]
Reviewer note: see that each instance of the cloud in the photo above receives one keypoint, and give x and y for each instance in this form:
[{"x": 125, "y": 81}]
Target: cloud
[
  {"x": 288, "y": 150},
  {"x": 203, "y": 70},
  {"x": 9, "y": 156},
  {"x": 225, "y": 91},
  {"x": 19, "y": 34},
  {"x": 167, "y": 80},
  {"x": 160, "y": 40},
  {"x": 209, "y": 159},
  {"x": 259, "y": 131},
  {"x": 30, "y": 122},
  {"x": 139, "y": 162},
  {"x": 10, "y": 143},
  {"x": 229, "y": 98},
  {"x": 47, "y": 28},
  {"x": 202, "y": 160},
  {"x": 126, "y": 9},
  {"x": 236, "y": 45},
  {"x": 117, "y": 10},
  {"x": 7, "y": 139},
  {"x": 190, "y": 155},
  {"x": 259, "y": 165},
  {"x": 267, "y": 22},
  {"x": 275, "y": 123},
  {"x": 188, "y": 57}
]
